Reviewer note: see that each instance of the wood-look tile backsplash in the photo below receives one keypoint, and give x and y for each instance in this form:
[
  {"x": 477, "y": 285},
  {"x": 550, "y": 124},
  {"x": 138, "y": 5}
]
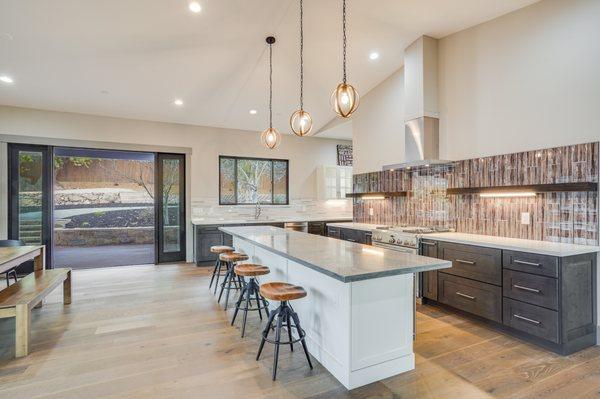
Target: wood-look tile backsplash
[{"x": 570, "y": 217}]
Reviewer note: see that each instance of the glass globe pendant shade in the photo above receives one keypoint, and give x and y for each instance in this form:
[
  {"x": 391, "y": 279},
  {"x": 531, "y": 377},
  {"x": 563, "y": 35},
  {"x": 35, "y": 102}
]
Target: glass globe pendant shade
[
  {"x": 270, "y": 138},
  {"x": 344, "y": 100},
  {"x": 301, "y": 123}
]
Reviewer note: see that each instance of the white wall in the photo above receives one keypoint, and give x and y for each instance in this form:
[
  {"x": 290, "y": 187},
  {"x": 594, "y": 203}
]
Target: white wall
[
  {"x": 527, "y": 80},
  {"x": 378, "y": 126},
  {"x": 207, "y": 144}
]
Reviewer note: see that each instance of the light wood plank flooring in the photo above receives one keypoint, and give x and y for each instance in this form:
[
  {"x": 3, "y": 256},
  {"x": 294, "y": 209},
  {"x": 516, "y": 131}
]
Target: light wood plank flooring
[{"x": 157, "y": 332}]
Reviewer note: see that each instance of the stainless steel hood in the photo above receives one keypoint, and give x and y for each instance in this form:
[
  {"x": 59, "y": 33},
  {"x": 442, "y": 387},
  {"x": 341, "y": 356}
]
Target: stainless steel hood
[
  {"x": 421, "y": 126},
  {"x": 421, "y": 144}
]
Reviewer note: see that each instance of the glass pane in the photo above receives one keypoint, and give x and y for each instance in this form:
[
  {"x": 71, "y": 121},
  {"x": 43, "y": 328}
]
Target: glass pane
[
  {"x": 280, "y": 181},
  {"x": 227, "y": 181},
  {"x": 30, "y": 197},
  {"x": 171, "y": 204},
  {"x": 254, "y": 181}
]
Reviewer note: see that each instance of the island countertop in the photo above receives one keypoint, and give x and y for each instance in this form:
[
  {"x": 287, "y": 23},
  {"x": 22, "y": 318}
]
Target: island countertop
[{"x": 343, "y": 260}]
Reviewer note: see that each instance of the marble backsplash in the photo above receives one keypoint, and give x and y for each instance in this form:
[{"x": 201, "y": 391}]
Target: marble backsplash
[
  {"x": 570, "y": 217},
  {"x": 208, "y": 208}
]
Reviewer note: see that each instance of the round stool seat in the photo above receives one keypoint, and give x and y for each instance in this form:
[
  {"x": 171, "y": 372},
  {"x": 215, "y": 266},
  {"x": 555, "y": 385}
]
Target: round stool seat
[
  {"x": 219, "y": 249},
  {"x": 233, "y": 257},
  {"x": 282, "y": 291},
  {"x": 249, "y": 269}
]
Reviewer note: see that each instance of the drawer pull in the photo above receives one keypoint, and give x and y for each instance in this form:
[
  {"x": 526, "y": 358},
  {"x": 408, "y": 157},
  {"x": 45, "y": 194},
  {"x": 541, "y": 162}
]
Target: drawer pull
[
  {"x": 527, "y": 319},
  {"x": 350, "y": 239},
  {"x": 431, "y": 244},
  {"x": 466, "y": 262},
  {"x": 465, "y": 295},
  {"x": 522, "y": 262},
  {"x": 520, "y": 287}
]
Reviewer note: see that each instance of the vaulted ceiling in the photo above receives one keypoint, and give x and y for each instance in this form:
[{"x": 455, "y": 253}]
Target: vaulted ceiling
[{"x": 133, "y": 58}]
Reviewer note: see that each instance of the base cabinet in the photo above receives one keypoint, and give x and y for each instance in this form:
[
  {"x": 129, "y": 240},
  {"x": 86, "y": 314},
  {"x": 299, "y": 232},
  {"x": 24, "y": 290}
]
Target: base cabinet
[{"x": 549, "y": 301}]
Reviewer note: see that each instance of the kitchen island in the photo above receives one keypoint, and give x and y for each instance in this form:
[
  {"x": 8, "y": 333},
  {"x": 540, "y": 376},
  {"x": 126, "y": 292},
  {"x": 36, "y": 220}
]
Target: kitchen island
[{"x": 359, "y": 312}]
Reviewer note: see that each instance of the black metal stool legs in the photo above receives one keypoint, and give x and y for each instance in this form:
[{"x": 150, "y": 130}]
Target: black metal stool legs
[
  {"x": 216, "y": 272},
  {"x": 244, "y": 302},
  {"x": 284, "y": 313},
  {"x": 230, "y": 278}
]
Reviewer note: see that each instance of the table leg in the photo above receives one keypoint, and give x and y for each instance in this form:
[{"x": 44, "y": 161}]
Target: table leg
[
  {"x": 22, "y": 330},
  {"x": 67, "y": 291}
]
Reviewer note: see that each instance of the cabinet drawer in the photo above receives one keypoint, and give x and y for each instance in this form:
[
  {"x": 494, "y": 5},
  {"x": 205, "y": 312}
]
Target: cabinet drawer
[
  {"x": 477, "y": 263},
  {"x": 530, "y": 288},
  {"x": 430, "y": 283},
  {"x": 353, "y": 235},
  {"x": 531, "y": 263},
  {"x": 481, "y": 299},
  {"x": 531, "y": 319}
]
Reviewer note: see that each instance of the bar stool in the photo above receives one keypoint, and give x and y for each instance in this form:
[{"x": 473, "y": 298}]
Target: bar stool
[
  {"x": 250, "y": 289},
  {"x": 283, "y": 292},
  {"x": 230, "y": 259},
  {"x": 218, "y": 249}
]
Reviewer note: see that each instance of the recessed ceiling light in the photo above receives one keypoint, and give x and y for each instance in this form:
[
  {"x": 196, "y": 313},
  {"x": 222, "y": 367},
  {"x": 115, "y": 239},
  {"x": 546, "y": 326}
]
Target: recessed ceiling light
[
  {"x": 178, "y": 102},
  {"x": 374, "y": 55},
  {"x": 6, "y": 79},
  {"x": 195, "y": 7},
  {"x": 253, "y": 112}
]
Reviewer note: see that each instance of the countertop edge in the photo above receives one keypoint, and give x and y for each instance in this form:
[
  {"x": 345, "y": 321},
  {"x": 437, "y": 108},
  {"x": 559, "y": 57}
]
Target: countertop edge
[
  {"x": 353, "y": 226},
  {"x": 562, "y": 254},
  {"x": 443, "y": 264}
]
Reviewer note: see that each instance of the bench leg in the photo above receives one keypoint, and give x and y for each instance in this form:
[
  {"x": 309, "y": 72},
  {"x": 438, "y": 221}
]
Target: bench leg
[
  {"x": 22, "y": 330},
  {"x": 67, "y": 291}
]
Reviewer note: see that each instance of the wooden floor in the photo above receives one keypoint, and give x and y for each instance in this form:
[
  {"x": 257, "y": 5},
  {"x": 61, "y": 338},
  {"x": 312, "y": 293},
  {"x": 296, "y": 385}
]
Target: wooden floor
[{"x": 157, "y": 332}]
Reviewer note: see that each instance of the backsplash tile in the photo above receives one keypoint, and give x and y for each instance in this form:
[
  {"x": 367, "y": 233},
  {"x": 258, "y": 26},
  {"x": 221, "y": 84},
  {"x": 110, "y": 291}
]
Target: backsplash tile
[
  {"x": 208, "y": 208},
  {"x": 570, "y": 217}
]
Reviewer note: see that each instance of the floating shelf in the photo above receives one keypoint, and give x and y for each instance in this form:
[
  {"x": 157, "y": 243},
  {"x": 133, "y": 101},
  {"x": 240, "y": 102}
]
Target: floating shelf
[
  {"x": 536, "y": 188},
  {"x": 385, "y": 194}
]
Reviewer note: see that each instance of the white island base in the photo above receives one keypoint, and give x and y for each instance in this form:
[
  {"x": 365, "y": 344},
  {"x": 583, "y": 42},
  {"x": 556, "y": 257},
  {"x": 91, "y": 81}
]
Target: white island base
[{"x": 360, "y": 331}]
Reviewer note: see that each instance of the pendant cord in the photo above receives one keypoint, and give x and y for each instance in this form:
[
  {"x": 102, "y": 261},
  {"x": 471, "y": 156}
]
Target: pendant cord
[
  {"x": 270, "y": 86},
  {"x": 301, "y": 56},
  {"x": 344, "y": 37}
]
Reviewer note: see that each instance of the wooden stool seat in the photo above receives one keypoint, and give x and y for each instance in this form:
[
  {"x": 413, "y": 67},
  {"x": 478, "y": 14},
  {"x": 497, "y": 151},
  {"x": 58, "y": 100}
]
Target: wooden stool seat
[
  {"x": 233, "y": 257},
  {"x": 249, "y": 269},
  {"x": 282, "y": 291},
  {"x": 219, "y": 249}
]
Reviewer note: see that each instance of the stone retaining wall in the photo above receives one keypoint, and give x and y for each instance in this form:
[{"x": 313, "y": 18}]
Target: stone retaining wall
[{"x": 81, "y": 237}]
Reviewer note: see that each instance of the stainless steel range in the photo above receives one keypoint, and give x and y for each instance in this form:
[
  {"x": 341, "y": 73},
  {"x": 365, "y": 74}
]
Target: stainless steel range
[{"x": 402, "y": 238}]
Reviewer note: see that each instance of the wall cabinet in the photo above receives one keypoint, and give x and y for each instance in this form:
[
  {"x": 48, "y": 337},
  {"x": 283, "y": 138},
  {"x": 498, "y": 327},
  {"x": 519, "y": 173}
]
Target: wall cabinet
[
  {"x": 547, "y": 300},
  {"x": 333, "y": 182}
]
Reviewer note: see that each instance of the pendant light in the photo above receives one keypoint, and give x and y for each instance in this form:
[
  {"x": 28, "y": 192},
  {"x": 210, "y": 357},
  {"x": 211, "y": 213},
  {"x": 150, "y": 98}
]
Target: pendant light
[
  {"x": 270, "y": 137},
  {"x": 301, "y": 121},
  {"x": 344, "y": 98}
]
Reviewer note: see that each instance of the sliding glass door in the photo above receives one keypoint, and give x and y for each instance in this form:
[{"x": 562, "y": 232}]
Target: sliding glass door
[
  {"x": 170, "y": 207},
  {"x": 30, "y": 196}
]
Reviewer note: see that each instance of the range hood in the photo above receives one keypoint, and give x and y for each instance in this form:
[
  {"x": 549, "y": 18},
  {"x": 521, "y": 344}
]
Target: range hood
[{"x": 421, "y": 118}]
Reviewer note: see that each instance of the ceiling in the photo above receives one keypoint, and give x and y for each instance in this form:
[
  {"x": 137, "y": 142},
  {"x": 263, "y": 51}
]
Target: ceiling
[{"x": 133, "y": 58}]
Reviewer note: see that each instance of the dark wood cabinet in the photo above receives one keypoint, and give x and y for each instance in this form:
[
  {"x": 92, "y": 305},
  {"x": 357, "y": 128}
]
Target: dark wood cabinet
[
  {"x": 317, "y": 228},
  {"x": 547, "y": 300},
  {"x": 429, "y": 279},
  {"x": 352, "y": 235},
  {"x": 333, "y": 232}
]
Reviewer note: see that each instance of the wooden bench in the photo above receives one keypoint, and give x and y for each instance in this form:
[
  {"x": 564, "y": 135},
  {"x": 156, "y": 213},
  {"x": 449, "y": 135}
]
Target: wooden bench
[{"x": 18, "y": 300}]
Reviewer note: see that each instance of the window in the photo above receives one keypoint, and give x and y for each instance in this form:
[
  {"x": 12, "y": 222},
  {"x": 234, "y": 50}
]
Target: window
[{"x": 250, "y": 180}]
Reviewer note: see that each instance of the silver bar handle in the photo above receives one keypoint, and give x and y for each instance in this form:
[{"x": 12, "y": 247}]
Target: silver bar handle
[
  {"x": 467, "y": 262},
  {"x": 350, "y": 239},
  {"x": 520, "y": 287},
  {"x": 432, "y": 244},
  {"x": 522, "y": 262},
  {"x": 527, "y": 319},
  {"x": 465, "y": 295}
]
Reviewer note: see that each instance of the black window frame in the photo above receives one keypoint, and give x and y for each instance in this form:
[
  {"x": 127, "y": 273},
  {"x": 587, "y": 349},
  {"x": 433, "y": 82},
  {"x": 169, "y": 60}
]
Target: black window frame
[{"x": 237, "y": 158}]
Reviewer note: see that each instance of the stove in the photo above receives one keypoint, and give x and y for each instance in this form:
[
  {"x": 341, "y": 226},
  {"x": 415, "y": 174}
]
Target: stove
[{"x": 402, "y": 238}]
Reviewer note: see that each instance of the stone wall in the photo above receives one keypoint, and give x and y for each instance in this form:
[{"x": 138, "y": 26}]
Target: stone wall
[{"x": 83, "y": 237}]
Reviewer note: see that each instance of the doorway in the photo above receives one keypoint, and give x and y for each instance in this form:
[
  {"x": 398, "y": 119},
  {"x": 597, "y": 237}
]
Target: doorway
[{"x": 98, "y": 208}]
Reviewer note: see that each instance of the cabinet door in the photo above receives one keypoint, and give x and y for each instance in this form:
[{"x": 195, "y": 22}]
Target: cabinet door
[
  {"x": 333, "y": 232},
  {"x": 206, "y": 238},
  {"x": 430, "y": 279}
]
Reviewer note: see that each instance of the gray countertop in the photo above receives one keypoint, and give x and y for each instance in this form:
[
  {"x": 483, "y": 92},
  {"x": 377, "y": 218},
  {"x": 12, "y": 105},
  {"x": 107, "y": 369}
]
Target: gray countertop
[
  {"x": 515, "y": 244},
  {"x": 356, "y": 226},
  {"x": 223, "y": 221},
  {"x": 343, "y": 260}
]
